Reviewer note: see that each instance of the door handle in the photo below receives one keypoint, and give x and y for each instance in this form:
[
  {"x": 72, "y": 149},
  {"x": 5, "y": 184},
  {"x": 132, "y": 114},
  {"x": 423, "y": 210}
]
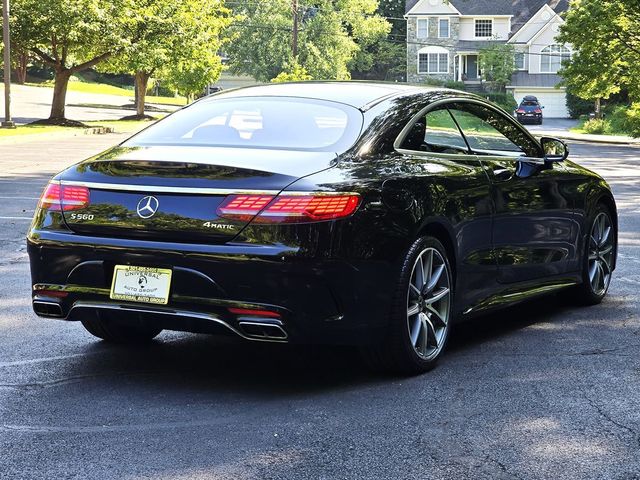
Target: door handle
[{"x": 503, "y": 174}]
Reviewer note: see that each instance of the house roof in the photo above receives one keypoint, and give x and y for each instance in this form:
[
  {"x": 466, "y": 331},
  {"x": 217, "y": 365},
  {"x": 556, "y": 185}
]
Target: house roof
[
  {"x": 539, "y": 80},
  {"x": 521, "y": 10}
]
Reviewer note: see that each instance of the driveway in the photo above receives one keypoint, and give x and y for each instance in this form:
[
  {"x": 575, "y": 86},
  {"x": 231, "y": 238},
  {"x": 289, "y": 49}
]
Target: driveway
[
  {"x": 33, "y": 103},
  {"x": 555, "y": 126},
  {"x": 539, "y": 391}
]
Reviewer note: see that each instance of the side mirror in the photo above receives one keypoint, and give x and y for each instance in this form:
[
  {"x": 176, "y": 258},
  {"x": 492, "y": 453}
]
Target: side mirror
[{"x": 555, "y": 150}]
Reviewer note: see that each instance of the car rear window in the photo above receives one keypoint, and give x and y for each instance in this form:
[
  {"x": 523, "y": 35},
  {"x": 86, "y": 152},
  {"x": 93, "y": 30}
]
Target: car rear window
[
  {"x": 258, "y": 122},
  {"x": 530, "y": 104}
]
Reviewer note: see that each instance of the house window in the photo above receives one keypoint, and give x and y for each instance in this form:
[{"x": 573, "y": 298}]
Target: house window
[
  {"x": 484, "y": 28},
  {"x": 519, "y": 61},
  {"x": 423, "y": 28},
  {"x": 443, "y": 28},
  {"x": 433, "y": 63},
  {"x": 552, "y": 58}
]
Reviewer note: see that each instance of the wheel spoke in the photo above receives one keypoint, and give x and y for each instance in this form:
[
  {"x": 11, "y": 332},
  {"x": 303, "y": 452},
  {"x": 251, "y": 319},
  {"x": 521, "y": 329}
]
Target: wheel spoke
[
  {"x": 428, "y": 267},
  {"x": 420, "y": 280},
  {"x": 597, "y": 276},
  {"x": 424, "y": 337},
  {"x": 435, "y": 278},
  {"x": 413, "y": 310},
  {"x": 436, "y": 317},
  {"x": 592, "y": 271},
  {"x": 413, "y": 289},
  {"x": 605, "y": 237},
  {"x": 437, "y": 296},
  {"x": 606, "y": 250},
  {"x": 415, "y": 331},
  {"x": 432, "y": 339}
]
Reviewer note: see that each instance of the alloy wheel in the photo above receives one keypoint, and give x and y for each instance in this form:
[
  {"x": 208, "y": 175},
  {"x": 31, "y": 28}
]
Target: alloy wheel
[
  {"x": 601, "y": 251},
  {"x": 428, "y": 303}
]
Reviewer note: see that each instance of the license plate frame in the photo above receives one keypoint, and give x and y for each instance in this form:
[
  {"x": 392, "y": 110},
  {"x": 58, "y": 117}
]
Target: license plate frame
[{"x": 137, "y": 284}]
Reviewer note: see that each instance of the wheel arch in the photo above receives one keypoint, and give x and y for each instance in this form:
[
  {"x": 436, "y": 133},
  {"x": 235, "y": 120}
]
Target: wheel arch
[{"x": 443, "y": 232}]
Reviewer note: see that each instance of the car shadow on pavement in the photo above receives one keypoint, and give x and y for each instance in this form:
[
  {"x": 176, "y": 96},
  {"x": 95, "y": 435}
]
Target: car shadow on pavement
[{"x": 215, "y": 363}]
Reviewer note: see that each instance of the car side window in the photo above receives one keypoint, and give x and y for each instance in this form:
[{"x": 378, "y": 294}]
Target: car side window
[
  {"x": 490, "y": 133},
  {"x": 435, "y": 132}
]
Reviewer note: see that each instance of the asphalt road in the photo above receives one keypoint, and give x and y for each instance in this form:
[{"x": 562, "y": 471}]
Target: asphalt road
[{"x": 543, "y": 391}]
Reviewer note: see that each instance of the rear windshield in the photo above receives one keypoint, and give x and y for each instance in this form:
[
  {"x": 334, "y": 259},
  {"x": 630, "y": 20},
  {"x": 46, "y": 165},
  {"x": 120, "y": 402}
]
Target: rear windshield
[
  {"x": 529, "y": 103},
  {"x": 280, "y": 123}
]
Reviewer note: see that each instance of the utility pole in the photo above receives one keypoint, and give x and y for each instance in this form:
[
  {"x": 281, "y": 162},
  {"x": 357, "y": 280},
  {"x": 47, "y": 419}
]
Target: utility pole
[
  {"x": 294, "y": 40},
  {"x": 7, "y": 67}
]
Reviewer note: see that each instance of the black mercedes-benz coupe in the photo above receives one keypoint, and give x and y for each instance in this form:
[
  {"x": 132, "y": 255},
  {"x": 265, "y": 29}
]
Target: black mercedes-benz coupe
[{"x": 365, "y": 214}]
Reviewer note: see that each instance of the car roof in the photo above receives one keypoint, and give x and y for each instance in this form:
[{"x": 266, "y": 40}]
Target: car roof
[{"x": 354, "y": 93}]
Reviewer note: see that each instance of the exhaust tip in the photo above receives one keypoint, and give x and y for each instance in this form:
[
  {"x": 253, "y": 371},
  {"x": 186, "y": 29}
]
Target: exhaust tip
[
  {"x": 262, "y": 330},
  {"x": 47, "y": 308}
]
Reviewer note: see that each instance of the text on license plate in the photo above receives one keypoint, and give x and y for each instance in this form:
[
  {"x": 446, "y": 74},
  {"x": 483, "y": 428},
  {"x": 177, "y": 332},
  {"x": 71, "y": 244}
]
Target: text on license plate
[{"x": 141, "y": 284}]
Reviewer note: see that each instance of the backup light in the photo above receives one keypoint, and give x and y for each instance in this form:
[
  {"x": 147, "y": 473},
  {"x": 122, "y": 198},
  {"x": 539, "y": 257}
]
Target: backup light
[
  {"x": 289, "y": 208},
  {"x": 64, "y": 197}
]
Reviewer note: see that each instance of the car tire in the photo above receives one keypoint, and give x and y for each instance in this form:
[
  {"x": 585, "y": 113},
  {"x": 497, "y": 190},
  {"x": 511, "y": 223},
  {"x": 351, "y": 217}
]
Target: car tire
[
  {"x": 116, "y": 332},
  {"x": 420, "y": 319},
  {"x": 600, "y": 250}
]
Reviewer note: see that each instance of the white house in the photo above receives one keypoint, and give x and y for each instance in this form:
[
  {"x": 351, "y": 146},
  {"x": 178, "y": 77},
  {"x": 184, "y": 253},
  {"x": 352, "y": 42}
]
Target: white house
[{"x": 444, "y": 38}]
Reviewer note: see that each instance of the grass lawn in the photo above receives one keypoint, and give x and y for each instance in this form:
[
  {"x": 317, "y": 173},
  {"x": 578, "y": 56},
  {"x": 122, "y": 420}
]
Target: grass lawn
[
  {"x": 105, "y": 89},
  {"x": 119, "y": 126}
]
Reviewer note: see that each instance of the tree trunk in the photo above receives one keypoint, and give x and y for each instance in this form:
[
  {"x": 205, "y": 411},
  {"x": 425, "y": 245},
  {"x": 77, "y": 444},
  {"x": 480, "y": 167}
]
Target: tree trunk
[
  {"x": 21, "y": 67},
  {"x": 142, "y": 80},
  {"x": 61, "y": 81},
  {"x": 598, "y": 108}
]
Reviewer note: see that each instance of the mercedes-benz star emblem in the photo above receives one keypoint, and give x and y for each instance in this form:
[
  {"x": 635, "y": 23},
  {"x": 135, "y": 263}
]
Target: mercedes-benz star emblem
[{"x": 147, "y": 207}]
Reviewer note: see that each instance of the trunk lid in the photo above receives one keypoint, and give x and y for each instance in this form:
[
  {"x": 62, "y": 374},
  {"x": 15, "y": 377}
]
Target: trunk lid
[{"x": 172, "y": 193}]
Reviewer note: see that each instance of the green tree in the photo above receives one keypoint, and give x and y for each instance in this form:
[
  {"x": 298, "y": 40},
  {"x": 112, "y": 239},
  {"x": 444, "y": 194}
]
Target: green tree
[
  {"x": 175, "y": 40},
  {"x": 292, "y": 73},
  {"x": 606, "y": 41},
  {"x": 331, "y": 35},
  {"x": 69, "y": 36},
  {"x": 497, "y": 63}
]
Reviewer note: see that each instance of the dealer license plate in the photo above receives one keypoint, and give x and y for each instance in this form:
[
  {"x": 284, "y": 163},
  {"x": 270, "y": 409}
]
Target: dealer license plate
[{"x": 141, "y": 284}]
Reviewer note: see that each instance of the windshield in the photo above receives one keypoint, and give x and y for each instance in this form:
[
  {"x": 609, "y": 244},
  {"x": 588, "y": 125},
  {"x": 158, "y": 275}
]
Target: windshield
[{"x": 258, "y": 122}]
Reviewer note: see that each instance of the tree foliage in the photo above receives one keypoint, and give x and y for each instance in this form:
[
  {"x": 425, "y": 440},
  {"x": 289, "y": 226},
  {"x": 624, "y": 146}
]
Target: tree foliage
[
  {"x": 498, "y": 64},
  {"x": 606, "y": 41},
  {"x": 69, "y": 36},
  {"x": 332, "y": 34},
  {"x": 292, "y": 73},
  {"x": 177, "y": 41}
]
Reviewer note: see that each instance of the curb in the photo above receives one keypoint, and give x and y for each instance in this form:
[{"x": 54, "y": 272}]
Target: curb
[{"x": 578, "y": 137}]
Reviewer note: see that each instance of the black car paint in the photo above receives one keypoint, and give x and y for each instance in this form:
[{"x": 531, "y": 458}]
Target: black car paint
[{"x": 508, "y": 238}]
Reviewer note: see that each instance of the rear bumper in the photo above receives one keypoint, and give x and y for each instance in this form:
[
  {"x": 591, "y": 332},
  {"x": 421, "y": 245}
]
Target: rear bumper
[{"x": 319, "y": 299}]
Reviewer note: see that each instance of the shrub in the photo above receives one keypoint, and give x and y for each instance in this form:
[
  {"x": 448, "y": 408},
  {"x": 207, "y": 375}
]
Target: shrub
[
  {"x": 454, "y": 85},
  {"x": 434, "y": 82},
  {"x": 504, "y": 100},
  {"x": 578, "y": 106},
  {"x": 597, "y": 126}
]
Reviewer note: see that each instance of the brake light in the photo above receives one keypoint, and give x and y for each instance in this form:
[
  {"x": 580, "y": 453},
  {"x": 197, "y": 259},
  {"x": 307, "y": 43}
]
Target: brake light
[
  {"x": 64, "y": 197},
  {"x": 250, "y": 312},
  {"x": 520, "y": 110},
  {"x": 537, "y": 110},
  {"x": 289, "y": 208}
]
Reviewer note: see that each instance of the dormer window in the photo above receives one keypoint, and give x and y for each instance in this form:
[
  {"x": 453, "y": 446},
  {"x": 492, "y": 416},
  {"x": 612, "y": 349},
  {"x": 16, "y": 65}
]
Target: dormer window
[{"x": 484, "y": 28}]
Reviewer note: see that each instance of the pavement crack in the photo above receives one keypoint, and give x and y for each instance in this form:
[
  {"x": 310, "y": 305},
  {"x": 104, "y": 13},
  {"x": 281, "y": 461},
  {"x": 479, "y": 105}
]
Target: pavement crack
[
  {"x": 501, "y": 466},
  {"x": 611, "y": 420}
]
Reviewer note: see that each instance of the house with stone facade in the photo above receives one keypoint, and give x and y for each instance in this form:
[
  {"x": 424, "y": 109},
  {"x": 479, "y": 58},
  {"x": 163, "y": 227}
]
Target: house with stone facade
[{"x": 445, "y": 37}]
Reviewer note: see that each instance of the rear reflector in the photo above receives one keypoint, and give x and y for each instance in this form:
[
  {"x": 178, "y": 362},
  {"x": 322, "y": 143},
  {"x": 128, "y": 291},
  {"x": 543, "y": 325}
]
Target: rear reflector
[
  {"x": 52, "y": 293},
  {"x": 64, "y": 197},
  {"x": 289, "y": 208},
  {"x": 250, "y": 312}
]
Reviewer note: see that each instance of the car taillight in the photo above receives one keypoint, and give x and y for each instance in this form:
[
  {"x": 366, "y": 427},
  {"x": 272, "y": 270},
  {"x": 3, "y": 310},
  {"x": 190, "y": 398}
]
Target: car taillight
[
  {"x": 537, "y": 110},
  {"x": 289, "y": 208},
  {"x": 520, "y": 110},
  {"x": 64, "y": 197}
]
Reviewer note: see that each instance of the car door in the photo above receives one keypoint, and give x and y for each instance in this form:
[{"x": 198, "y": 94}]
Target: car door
[
  {"x": 456, "y": 188},
  {"x": 534, "y": 232}
]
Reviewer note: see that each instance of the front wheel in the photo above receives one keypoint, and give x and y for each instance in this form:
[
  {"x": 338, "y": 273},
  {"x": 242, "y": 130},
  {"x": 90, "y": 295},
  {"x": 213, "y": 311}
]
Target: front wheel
[
  {"x": 420, "y": 317},
  {"x": 599, "y": 257}
]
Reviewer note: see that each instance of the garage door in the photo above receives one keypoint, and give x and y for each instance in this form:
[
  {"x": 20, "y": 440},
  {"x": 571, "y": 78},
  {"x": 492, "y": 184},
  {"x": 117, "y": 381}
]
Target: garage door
[{"x": 554, "y": 102}]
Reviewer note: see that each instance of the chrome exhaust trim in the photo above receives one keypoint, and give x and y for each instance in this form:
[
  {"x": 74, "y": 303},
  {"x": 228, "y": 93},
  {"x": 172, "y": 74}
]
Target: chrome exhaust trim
[
  {"x": 47, "y": 308},
  {"x": 260, "y": 329},
  {"x": 209, "y": 317}
]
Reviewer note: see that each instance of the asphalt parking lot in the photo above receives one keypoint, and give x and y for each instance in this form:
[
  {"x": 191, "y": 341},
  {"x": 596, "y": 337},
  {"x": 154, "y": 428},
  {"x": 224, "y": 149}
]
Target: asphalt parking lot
[{"x": 544, "y": 390}]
